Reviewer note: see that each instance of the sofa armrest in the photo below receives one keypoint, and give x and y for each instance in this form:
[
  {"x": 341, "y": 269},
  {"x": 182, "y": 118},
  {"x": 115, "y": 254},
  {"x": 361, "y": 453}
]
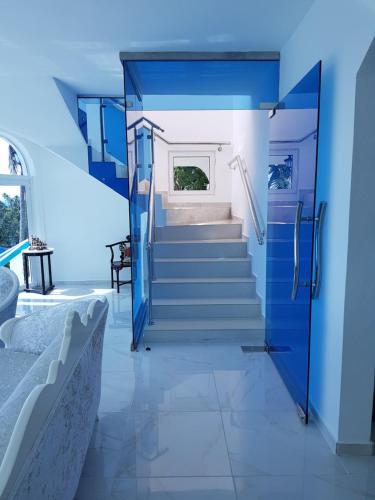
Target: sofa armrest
[
  {"x": 56, "y": 421},
  {"x": 34, "y": 332},
  {"x": 6, "y": 330}
]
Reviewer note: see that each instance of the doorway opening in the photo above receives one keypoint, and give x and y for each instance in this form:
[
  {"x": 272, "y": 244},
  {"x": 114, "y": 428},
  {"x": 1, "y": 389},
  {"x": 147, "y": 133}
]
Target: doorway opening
[{"x": 222, "y": 212}]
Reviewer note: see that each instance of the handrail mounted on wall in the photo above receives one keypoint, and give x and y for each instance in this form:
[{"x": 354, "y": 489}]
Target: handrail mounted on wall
[{"x": 250, "y": 196}]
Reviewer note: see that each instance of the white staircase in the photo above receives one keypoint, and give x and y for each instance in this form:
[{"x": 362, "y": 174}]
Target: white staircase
[{"x": 203, "y": 288}]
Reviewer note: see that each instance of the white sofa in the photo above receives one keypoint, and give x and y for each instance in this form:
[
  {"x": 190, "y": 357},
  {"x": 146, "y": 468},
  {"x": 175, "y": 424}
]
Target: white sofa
[
  {"x": 49, "y": 397},
  {"x": 9, "y": 288}
]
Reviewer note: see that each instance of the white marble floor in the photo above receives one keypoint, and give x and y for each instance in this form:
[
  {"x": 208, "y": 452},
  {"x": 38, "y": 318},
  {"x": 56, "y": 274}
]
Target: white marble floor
[{"x": 201, "y": 422}]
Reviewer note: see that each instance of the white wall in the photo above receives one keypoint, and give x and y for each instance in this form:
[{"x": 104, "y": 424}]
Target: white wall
[
  {"x": 195, "y": 126},
  {"x": 250, "y": 141},
  {"x": 77, "y": 216},
  {"x": 339, "y": 33},
  {"x": 359, "y": 320},
  {"x": 42, "y": 110},
  {"x": 75, "y": 213}
]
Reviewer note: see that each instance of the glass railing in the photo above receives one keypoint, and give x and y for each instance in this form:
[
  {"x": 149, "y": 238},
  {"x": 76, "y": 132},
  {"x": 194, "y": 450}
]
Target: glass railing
[
  {"x": 139, "y": 213},
  {"x": 102, "y": 123}
]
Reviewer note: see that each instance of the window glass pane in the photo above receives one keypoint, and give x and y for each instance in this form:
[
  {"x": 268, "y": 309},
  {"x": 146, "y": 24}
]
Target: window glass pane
[
  {"x": 13, "y": 216},
  {"x": 191, "y": 173},
  {"x": 13, "y": 223}
]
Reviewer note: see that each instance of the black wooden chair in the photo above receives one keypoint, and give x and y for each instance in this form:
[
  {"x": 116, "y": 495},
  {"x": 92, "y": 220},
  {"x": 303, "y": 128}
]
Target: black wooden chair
[{"x": 124, "y": 252}]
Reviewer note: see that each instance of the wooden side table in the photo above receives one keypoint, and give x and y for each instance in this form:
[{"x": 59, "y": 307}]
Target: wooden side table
[{"x": 26, "y": 255}]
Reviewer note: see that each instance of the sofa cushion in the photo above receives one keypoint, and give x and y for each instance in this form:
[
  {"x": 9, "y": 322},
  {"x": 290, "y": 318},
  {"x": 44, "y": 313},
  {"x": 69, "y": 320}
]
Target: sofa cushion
[
  {"x": 33, "y": 333},
  {"x": 14, "y": 366},
  {"x": 11, "y": 408}
]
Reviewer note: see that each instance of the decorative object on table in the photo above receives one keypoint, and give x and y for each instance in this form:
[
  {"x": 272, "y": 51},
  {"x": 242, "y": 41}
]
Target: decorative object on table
[
  {"x": 9, "y": 288},
  {"x": 41, "y": 253},
  {"x": 123, "y": 249},
  {"x": 37, "y": 244}
]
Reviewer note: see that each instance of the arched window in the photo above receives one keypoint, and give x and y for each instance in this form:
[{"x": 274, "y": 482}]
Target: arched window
[{"x": 14, "y": 197}]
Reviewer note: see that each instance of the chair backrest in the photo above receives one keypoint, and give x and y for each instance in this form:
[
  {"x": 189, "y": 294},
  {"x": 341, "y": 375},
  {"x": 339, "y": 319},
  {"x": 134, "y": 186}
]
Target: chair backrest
[{"x": 122, "y": 248}]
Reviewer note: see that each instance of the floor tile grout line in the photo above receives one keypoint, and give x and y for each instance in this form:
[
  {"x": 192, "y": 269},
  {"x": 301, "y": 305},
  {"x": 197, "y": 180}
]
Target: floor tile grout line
[
  {"x": 168, "y": 477},
  {"x": 225, "y": 439}
]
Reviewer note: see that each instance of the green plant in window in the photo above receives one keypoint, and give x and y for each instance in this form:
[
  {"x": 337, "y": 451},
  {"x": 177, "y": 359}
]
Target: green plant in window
[
  {"x": 189, "y": 179},
  {"x": 9, "y": 220}
]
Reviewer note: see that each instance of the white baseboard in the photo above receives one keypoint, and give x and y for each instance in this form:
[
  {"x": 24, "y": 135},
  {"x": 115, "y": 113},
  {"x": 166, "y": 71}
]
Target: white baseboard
[
  {"x": 331, "y": 441},
  {"x": 355, "y": 449},
  {"x": 107, "y": 283},
  {"x": 340, "y": 447}
]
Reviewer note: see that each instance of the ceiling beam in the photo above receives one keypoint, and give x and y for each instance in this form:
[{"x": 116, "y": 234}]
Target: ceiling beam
[{"x": 199, "y": 56}]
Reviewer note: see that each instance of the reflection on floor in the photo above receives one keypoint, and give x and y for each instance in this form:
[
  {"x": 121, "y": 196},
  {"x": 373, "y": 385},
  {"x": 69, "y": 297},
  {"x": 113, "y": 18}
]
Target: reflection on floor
[{"x": 201, "y": 422}]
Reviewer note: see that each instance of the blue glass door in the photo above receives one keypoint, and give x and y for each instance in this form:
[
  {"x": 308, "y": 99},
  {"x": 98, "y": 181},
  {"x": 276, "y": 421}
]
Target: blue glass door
[
  {"x": 291, "y": 232},
  {"x": 139, "y": 152}
]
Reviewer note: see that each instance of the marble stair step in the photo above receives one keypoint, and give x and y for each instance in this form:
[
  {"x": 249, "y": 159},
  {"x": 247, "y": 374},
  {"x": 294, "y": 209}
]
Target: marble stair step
[
  {"x": 235, "y": 247},
  {"x": 201, "y": 288},
  {"x": 250, "y": 331},
  {"x": 202, "y": 267},
  {"x": 206, "y": 308}
]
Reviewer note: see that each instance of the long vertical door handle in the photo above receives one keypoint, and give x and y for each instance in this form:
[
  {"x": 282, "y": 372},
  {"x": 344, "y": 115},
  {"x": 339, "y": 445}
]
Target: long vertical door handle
[
  {"x": 318, "y": 248},
  {"x": 297, "y": 226}
]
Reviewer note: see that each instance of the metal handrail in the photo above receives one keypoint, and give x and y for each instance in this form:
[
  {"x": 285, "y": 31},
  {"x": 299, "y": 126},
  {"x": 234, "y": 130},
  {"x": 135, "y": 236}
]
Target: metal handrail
[
  {"x": 197, "y": 143},
  {"x": 257, "y": 220},
  {"x": 296, "y": 256},
  {"x": 185, "y": 143},
  {"x": 150, "y": 227},
  {"x": 144, "y": 119}
]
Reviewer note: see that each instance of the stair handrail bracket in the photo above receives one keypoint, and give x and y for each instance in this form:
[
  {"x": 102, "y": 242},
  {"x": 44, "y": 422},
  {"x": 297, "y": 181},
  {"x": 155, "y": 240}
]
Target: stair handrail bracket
[{"x": 250, "y": 196}]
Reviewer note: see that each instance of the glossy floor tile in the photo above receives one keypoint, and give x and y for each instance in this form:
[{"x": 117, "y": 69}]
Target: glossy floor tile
[
  {"x": 161, "y": 488},
  {"x": 164, "y": 444},
  {"x": 200, "y": 422},
  {"x": 276, "y": 443},
  {"x": 256, "y": 387},
  {"x": 324, "y": 487}
]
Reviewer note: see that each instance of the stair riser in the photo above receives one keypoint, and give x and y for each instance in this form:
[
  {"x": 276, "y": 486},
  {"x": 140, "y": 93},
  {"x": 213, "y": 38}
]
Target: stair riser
[
  {"x": 281, "y": 231},
  {"x": 248, "y": 337},
  {"x": 283, "y": 269},
  {"x": 203, "y": 250},
  {"x": 204, "y": 232},
  {"x": 203, "y": 290},
  {"x": 281, "y": 214},
  {"x": 221, "y": 269},
  {"x": 197, "y": 214},
  {"x": 283, "y": 291},
  {"x": 294, "y": 314},
  {"x": 206, "y": 311},
  {"x": 286, "y": 248}
]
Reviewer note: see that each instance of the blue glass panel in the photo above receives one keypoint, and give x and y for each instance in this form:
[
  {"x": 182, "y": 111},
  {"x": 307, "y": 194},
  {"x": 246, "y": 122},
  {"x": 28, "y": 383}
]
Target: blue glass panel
[
  {"x": 139, "y": 166},
  {"x": 291, "y": 182},
  {"x": 172, "y": 85},
  {"x": 114, "y": 129}
]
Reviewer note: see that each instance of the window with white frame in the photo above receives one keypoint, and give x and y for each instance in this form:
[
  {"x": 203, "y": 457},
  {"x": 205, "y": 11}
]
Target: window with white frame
[
  {"x": 191, "y": 173},
  {"x": 14, "y": 195}
]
